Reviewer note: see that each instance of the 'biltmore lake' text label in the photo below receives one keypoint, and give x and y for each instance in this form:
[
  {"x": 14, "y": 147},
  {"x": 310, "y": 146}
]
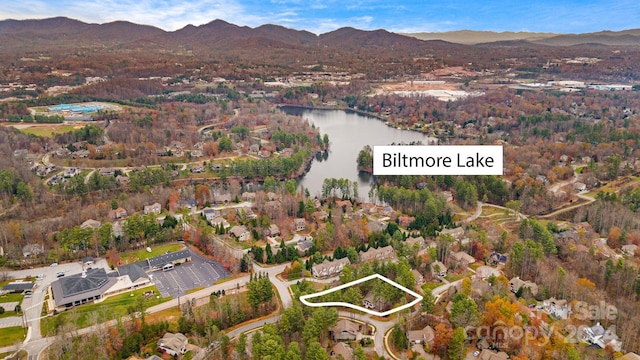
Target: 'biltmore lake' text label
[{"x": 438, "y": 160}]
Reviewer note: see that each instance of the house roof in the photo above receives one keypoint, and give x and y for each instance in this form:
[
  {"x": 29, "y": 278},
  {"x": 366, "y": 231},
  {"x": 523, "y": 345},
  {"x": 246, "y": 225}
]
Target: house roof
[
  {"x": 426, "y": 334},
  {"x": 173, "y": 341},
  {"x": 238, "y": 230},
  {"x": 463, "y": 256},
  {"x": 327, "y": 265},
  {"x": 487, "y": 354},
  {"x": 19, "y": 286},
  {"x": 343, "y": 349},
  {"x": 346, "y": 325},
  {"x": 94, "y": 224},
  {"x": 134, "y": 271},
  {"x": 76, "y": 287},
  {"x": 162, "y": 260}
]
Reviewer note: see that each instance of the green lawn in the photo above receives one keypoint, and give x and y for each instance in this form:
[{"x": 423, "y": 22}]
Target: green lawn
[
  {"x": 11, "y": 297},
  {"x": 143, "y": 254},
  {"x": 430, "y": 286},
  {"x": 48, "y": 130},
  {"x": 9, "y": 336},
  {"x": 90, "y": 314}
]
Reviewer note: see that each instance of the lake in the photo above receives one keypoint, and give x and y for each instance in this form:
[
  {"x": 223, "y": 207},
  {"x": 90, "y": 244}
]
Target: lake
[{"x": 348, "y": 133}]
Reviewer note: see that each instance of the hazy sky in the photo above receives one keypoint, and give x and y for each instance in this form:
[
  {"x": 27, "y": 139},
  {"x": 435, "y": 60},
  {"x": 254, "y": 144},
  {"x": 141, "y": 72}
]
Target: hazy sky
[{"x": 319, "y": 16}]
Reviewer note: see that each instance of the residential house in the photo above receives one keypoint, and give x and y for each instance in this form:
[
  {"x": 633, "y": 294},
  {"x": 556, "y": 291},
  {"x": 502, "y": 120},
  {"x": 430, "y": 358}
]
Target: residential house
[
  {"x": 487, "y": 354},
  {"x": 456, "y": 233},
  {"x": 370, "y": 302},
  {"x": 579, "y": 186},
  {"x": 438, "y": 269},
  {"x": 558, "y": 308},
  {"x": 418, "y": 277},
  {"x": 248, "y": 196},
  {"x": 463, "y": 258},
  {"x": 188, "y": 204},
  {"x": 32, "y": 250},
  {"x": 222, "y": 198},
  {"x": 345, "y": 330},
  {"x": 119, "y": 213},
  {"x": 154, "y": 208},
  {"x": 485, "y": 272},
  {"x": 329, "y": 268},
  {"x": 421, "y": 336},
  {"x": 516, "y": 284},
  {"x": 209, "y": 214},
  {"x": 411, "y": 241},
  {"x": 71, "y": 172},
  {"x": 90, "y": 224},
  {"x": 122, "y": 180},
  {"x": 300, "y": 224},
  {"x": 240, "y": 232},
  {"x": 497, "y": 258},
  {"x": 197, "y": 169},
  {"x": 597, "y": 335},
  {"x": 380, "y": 254},
  {"x": 341, "y": 351},
  {"x": 107, "y": 171},
  {"x": 304, "y": 245},
  {"x": 220, "y": 221},
  {"x": 254, "y": 148},
  {"x": 173, "y": 344},
  {"x": 274, "y": 230}
]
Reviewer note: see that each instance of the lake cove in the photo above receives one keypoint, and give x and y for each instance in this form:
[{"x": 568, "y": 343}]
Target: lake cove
[{"x": 348, "y": 133}]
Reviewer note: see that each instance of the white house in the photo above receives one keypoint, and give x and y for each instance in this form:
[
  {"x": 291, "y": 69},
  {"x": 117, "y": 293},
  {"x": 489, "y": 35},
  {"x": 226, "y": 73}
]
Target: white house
[
  {"x": 558, "y": 308},
  {"x": 154, "y": 208},
  {"x": 173, "y": 344},
  {"x": 240, "y": 232}
]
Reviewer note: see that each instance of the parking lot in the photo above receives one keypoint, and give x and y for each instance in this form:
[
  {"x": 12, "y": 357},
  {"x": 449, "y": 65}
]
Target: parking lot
[{"x": 199, "y": 272}]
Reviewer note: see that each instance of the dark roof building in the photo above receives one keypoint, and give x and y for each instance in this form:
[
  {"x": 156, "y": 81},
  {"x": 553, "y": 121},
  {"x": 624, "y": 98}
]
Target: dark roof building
[
  {"x": 170, "y": 258},
  {"x": 18, "y": 286},
  {"x": 134, "y": 271},
  {"x": 81, "y": 288}
]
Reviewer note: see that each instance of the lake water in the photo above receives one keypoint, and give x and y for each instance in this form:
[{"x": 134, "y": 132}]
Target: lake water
[{"x": 348, "y": 133}]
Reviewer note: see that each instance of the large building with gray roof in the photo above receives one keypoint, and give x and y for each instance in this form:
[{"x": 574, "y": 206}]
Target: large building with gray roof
[{"x": 81, "y": 288}]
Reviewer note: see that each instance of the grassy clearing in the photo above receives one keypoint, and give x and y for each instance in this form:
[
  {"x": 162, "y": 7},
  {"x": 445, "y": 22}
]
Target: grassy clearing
[
  {"x": 12, "y": 297},
  {"x": 90, "y": 314},
  {"x": 9, "y": 336},
  {"x": 143, "y": 254},
  {"x": 428, "y": 287},
  {"x": 48, "y": 130}
]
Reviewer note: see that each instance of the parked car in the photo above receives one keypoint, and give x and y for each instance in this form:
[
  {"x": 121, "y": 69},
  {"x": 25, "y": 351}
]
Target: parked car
[
  {"x": 40, "y": 276},
  {"x": 60, "y": 274},
  {"x": 27, "y": 294},
  {"x": 54, "y": 265}
]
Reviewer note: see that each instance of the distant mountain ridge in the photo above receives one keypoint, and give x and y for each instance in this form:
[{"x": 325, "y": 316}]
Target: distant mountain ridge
[
  {"x": 470, "y": 37},
  {"x": 219, "y": 37}
]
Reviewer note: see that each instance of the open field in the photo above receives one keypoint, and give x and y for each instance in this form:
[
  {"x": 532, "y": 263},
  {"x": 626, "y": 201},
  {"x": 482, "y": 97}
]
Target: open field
[
  {"x": 143, "y": 254},
  {"x": 43, "y": 130},
  {"x": 10, "y": 335}
]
